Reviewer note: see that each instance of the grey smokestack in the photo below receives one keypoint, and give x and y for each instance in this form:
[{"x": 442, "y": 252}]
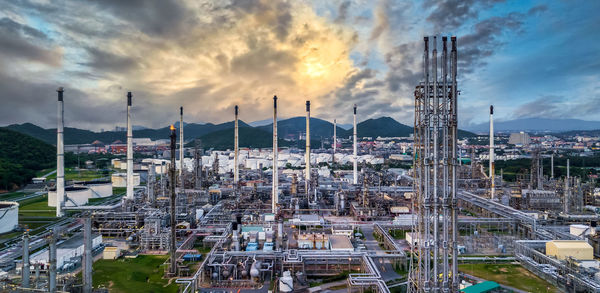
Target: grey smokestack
[
  {"x": 307, "y": 155},
  {"x": 129, "y": 150},
  {"x": 334, "y": 139},
  {"x": 492, "y": 154},
  {"x": 172, "y": 246},
  {"x": 25, "y": 271},
  {"x": 236, "y": 176},
  {"x": 181, "y": 149},
  {"x": 52, "y": 258},
  {"x": 355, "y": 153},
  {"x": 87, "y": 255},
  {"x": 60, "y": 155},
  {"x": 275, "y": 191}
]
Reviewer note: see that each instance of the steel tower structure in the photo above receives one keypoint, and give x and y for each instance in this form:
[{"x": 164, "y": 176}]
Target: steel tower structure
[{"x": 435, "y": 170}]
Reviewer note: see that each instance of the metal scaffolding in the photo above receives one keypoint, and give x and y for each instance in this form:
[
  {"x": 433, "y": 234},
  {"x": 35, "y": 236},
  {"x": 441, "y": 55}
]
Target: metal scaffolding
[{"x": 435, "y": 181}]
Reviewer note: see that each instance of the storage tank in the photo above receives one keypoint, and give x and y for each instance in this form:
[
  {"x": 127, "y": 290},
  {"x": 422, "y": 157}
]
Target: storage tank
[
  {"x": 74, "y": 196},
  {"x": 9, "y": 216},
  {"x": 286, "y": 282},
  {"x": 99, "y": 188}
]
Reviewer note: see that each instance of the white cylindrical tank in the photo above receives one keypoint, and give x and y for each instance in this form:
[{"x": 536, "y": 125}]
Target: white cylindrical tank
[
  {"x": 74, "y": 196},
  {"x": 255, "y": 269},
  {"x": 100, "y": 188},
  {"x": 9, "y": 216},
  {"x": 286, "y": 282}
]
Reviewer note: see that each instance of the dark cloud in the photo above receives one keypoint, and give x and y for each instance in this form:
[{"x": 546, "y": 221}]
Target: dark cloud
[
  {"x": 24, "y": 42},
  {"x": 342, "y": 12},
  {"x": 546, "y": 106},
  {"x": 158, "y": 18},
  {"x": 106, "y": 61},
  {"x": 447, "y": 15}
]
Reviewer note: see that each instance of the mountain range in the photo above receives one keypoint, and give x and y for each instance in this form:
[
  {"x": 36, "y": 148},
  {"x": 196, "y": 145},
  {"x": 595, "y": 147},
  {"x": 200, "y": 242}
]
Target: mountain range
[
  {"x": 536, "y": 125},
  {"x": 220, "y": 135}
]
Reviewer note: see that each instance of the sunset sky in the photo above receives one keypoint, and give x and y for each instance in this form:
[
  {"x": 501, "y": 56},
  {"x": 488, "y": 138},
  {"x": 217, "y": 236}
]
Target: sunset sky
[{"x": 528, "y": 58}]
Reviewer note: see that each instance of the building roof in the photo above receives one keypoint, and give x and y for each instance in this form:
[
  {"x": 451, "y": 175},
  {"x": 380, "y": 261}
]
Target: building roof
[
  {"x": 577, "y": 244},
  {"x": 340, "y": 242},
  {"x": 482, "y": 287}
]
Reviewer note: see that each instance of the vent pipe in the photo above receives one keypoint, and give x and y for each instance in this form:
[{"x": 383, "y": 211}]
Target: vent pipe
[
  {"x": 129, "y": 150},
  {"x": 307, "y": 154},
  {"x": 275, "y": 191},
  {"x": 355, "y": 156},
  {"x": 236, "y": 176},
  {"x": 492, "y": 153}
]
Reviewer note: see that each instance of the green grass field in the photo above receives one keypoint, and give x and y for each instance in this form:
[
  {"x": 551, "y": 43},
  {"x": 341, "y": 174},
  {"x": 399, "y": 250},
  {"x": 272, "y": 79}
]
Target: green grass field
[
  {"x": 82, "y": 175},
  {"x": 36, "y": 207},
  {"x": 12, "y": 195},
  {"x": 141, "y": 274},
  {"x": 508, "y": 274}
]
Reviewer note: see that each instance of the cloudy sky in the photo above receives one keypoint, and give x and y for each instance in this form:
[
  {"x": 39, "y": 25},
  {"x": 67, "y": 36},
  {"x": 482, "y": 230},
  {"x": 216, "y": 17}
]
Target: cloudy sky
[{"x": 528, "y": 58}]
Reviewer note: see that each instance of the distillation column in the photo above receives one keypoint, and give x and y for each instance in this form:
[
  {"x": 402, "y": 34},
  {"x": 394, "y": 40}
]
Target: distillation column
[
  {"x": 25, "y": 271},
  {"x": 435, "y": 182},
  {"x": 172, "y": 244},
  {"x": 334, "y": 140}
]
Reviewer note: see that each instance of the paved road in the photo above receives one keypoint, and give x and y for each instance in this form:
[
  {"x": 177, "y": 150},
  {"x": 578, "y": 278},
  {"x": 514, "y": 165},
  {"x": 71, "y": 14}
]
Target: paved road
[{"x": 385, "y": 268}]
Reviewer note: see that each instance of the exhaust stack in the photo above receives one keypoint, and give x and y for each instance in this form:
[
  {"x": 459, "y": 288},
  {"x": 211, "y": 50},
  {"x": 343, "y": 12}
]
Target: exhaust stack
[
  {"x": 567, "y": 188},
  {"x": 25, "y": 271},
  {"x": 492, "y": 153},
  {"x": 236, "y": 176},
  {"x": 52, "y": 257},
  {"x": 181, "y": 148},
  {"x": 87, "y": 255},
  {"x": 334, "y": 140},
  {"x": 307, "y": 154},
  {"x": 355, "y": 181},
  {"x": 172, "y": 248},
  {"x": 275, "y": 191},
  {"x": 129, "y": 150},
  {"x": 60, "y": 155}
]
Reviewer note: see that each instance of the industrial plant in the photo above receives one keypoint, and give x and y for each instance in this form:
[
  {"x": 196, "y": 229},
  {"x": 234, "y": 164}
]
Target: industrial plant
[{"x": 303, "y": 219}]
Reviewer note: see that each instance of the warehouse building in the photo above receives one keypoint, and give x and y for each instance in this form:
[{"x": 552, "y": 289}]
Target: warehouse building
[{"x": 563, "y": 249}]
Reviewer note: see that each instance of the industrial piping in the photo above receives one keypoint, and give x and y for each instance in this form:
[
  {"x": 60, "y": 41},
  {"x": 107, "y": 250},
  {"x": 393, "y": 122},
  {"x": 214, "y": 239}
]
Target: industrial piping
[
  {"x": 355, "y": 158},
  {"x": 275, "y": 196},
  {"x": 60, "y": 156},
  {"x": 307, "y": 154},
  {"x": 129, "y": 150},
  {"x": 492, "y": 153},
  {"x": 52, "y": 257}
]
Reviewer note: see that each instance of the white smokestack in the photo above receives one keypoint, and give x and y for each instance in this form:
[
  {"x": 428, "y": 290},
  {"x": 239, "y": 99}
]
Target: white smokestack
[
  {"x": 492, "y": 154},
  {"x": 355, "y": 181},
  {"x": 129, "y": 150},
  {"x": 275, "y": 190},
  {"x": 236, "y": 175},
  {"x": 334, "y": 139},
  {"x": 60, "y": 156},
  {"x": 181, "y": 148},
  {"x": 307, "y": 154}
]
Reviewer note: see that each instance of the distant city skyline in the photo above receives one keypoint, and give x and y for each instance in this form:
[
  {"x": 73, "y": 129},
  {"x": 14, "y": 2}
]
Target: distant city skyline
[{"x": 527, "y": 58}]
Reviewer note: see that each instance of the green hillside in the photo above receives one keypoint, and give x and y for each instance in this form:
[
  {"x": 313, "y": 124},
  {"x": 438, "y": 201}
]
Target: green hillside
[
  {"x": 20, "y": 157},
  {"x": 294, "y": 126},
  {"x": 248, "y": 137},
  {"x": 81, "y": 136}
]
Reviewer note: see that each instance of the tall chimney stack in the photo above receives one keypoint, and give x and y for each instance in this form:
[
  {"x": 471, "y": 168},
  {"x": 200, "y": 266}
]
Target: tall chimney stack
[
  {"x": 355, "y": 155},
  {"x": 25, "y": 271},
  {"x": 334, "y": 140},
  {"x": 60, "y": 155},
  {"x": 129, "y": 150},
  {"x": 236, "y": 146},
  {"x": 87, "y": 255},
  {"x": 181, "y": 149},
  {"x": 275, "y": 191},
  {"x": 567, "y": 196},
  {"x": 52, "y": 260},
  {"x": 307, "y": 154},
  {"x": 492, "y": 153},
  {"x": 172, "y": 248}
]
